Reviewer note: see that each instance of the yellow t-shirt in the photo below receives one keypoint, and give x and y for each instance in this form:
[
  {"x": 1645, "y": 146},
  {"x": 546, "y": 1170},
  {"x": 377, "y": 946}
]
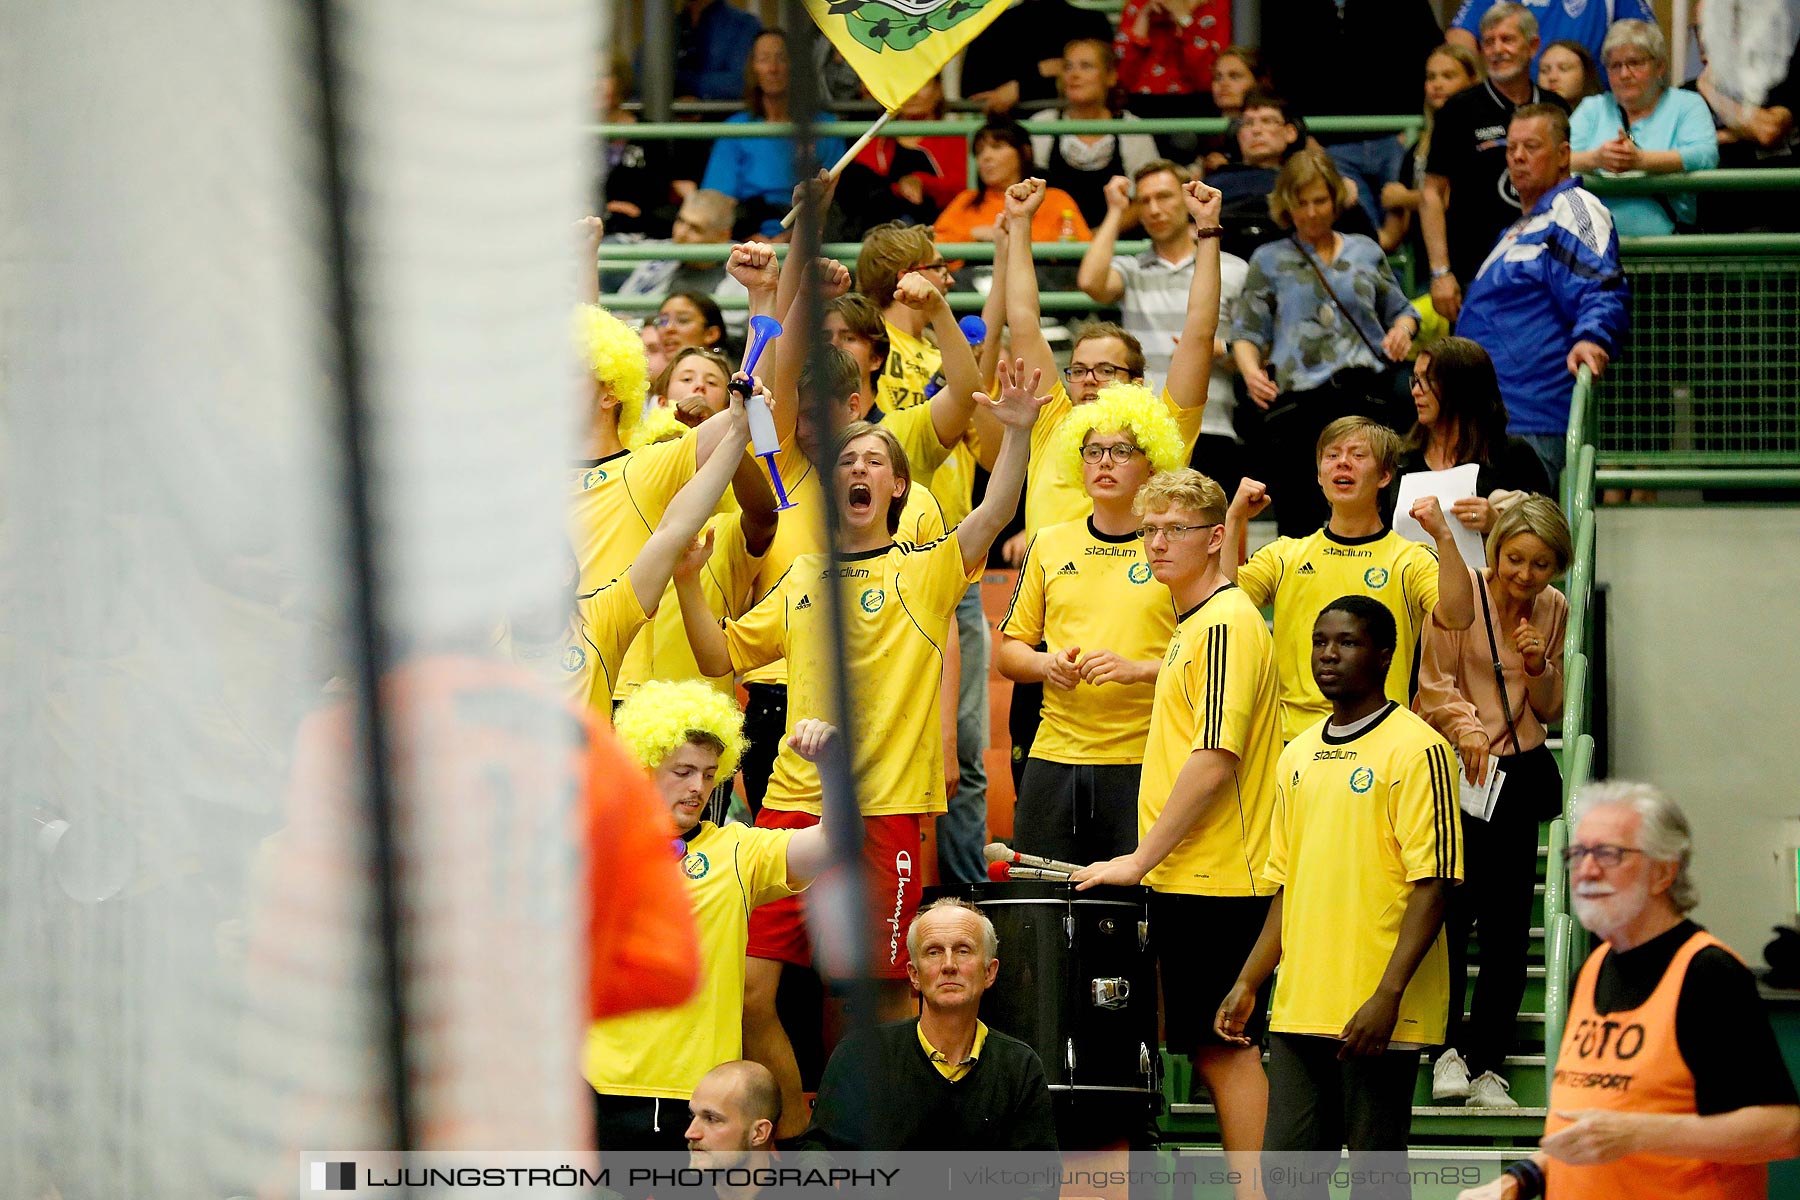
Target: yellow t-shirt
[
  {"x": 664, "y": 1052},
  {"x": 899, "y": 605},
  {"x": 949, "y": 1070},
  {"x": 1358, "y": 820},
  {"x": 911, "y": 362},
  {"x": 1054, "y": 491},
  {"x": 1300, "y": 576},
  {"x": 661, "y": 649},
  {"x": 1216, "y": 691},
  {"x": 954, "y": 483},
  {"x": 925, "y": 451},
  {"x": 801, "y": 530},
  {"x": 616, "y": 502},
  {"x": 610, "y": 617},
  {"x": 566, "y": 662},
  {"x": 1080, "y": 587}
]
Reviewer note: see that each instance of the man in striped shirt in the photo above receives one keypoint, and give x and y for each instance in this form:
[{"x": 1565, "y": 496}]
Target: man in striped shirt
[{"x": 1151, "y": 290}]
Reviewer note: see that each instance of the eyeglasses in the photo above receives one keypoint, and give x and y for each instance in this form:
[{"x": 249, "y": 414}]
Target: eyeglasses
[
  {"x": 1105, "y": 373},
  {"x": 1174, "y": 533},
  {"x": 1418, "y": 383},
  {"x": 1634, "y": 64},
  {"x": 664, "y": 320},
  {"x": 1605, "y": 856},
  {"x": 939, "y": 265},
  {"x": 1122, "y": 453}
]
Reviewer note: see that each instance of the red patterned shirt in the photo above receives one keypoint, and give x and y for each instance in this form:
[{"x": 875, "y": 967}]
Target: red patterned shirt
[{"x": 1173, "y": 59}]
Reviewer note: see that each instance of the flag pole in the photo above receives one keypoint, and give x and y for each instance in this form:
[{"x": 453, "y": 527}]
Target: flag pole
[{"x": 868, "y": 136}]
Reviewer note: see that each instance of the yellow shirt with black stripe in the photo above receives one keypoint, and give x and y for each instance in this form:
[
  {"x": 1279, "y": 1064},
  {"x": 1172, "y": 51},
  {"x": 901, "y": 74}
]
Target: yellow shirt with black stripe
[
  {"x": 1054, "y": 491},
  {"x": 946, "y": 1068},
  {"x": 1300, "y": 576},
  {"x": 801, "y": 529},
  {"x": 898, "y": 603},
  {"x": 1080, "y": 587},
  {"x": 663, "y": 1052},
  {"x": 1358, "y": 821},
  {"x": 609, "y": 617},
  {"x": 1217, "y": 691},
  {"x": 661, "y": 649},
  {"x": 907, "y": 371},
  {"x": 616, "y": 502}
]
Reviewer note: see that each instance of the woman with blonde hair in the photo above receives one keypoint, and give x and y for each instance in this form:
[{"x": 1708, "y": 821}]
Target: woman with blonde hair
[
  {"x": 1314, "y": 331},
  {"x": 1491, "y": 690},
  {"x": 1085, "y": 593}
]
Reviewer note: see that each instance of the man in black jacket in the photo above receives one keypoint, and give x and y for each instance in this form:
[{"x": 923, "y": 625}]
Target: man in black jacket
[{"x": 942, "y": 1080}]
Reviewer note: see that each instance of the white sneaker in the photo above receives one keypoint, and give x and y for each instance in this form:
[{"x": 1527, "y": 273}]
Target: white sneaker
[
  {"x": 1490, "y": 1091},
  {"x": 1450, "y": 1077}
]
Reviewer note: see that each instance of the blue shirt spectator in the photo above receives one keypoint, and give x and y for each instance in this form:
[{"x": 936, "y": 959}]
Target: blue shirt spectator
[
  {"x": 1584, "y": 21},
  {"x": 1643, "y": 126},
  {"x": 1550, "y": 297},
  {"x": 712, "y": 44},
  {"x": 759, "y": 172}
]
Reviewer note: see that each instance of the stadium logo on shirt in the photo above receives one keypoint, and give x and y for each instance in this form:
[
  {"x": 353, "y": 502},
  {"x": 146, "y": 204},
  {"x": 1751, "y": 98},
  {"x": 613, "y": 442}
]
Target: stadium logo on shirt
[
  {"x": 1361, "y": 780},
  {"x": 1139, "y": 572},
  {"x": 696, "y": 865},
  {"x": 872, "y": 600},
  {"x": 1305, "y": 569},
  {"x": 574, "y": 658},
  {"x": 594, "y": 478},
  {"x": 1376, "y": 577},
  {"x": 1068, "y": 568}
]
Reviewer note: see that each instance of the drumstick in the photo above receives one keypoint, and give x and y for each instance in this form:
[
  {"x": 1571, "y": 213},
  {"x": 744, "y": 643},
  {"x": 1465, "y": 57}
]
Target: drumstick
[
  {"x": 1001, "y": 852},
  {"x": 1001, "y": 872}
]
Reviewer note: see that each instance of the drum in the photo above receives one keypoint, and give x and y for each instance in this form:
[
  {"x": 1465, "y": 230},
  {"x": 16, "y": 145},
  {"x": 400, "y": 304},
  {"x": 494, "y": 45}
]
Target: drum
[{"x": 1077, "y": 983}]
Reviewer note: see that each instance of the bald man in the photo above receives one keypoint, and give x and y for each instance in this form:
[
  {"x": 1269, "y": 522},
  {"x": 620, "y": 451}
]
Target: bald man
[{"x": 735, "y": 1107}]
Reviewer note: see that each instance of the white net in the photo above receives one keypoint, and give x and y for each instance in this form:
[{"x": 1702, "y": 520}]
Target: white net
[{"x": 188, "y": 982}]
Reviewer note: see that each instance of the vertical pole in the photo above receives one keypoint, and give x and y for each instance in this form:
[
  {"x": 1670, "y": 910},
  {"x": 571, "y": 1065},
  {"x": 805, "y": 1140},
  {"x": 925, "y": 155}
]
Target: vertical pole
[{"x": 656, "y": 83}]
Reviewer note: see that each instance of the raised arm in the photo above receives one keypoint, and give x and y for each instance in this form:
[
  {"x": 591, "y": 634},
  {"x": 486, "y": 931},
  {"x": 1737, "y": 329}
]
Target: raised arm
[
  {"x": 1456, "y": 588},
  {"x": 1097, "y": 276},
  {"x": 809, "y": 850},
  {"x": 1252, "y": 497},
  {"x": 757, "y": 503},
  {"x": 1022, "y": 309},
  {"x": 711, "y": 652},
  {"x": 753, "y": 265},
  {"x": 1191, "y": 365},
  {"x": 954, "y": 403},
  {"x": 988, "y": 432},
  {"x": 681, "y": 522},
  {"x": 1016, "y": 410}
]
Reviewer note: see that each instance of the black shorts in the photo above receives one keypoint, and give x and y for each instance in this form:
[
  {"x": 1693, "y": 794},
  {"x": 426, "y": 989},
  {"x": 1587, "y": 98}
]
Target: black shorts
[
  {"x": 1201, "y": 943},
  {"x": 1077, "y": 813}
]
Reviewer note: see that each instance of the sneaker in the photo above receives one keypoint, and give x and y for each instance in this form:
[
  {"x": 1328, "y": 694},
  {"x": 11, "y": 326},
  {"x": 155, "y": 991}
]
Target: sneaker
[
  {"x": 1489, "y": 1091},
  {"x": 1450, "y": 1077}
]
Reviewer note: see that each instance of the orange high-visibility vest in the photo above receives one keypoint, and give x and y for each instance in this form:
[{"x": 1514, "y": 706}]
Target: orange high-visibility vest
[{"x": 1628, "y": 1061}]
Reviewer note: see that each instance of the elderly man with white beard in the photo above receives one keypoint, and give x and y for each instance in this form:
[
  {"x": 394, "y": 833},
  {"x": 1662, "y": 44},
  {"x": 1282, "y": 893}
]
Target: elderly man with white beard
[{"x": 1669, "y": 1082}]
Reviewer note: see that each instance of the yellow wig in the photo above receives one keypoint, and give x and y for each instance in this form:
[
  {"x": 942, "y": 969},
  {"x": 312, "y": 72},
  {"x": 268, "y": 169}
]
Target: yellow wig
[
  {"x": 614, "y": 352},
  {"x": 658, "y": 424},
  {"x": 663, "y": 715},
  {"x": 1122, "y": 408}
]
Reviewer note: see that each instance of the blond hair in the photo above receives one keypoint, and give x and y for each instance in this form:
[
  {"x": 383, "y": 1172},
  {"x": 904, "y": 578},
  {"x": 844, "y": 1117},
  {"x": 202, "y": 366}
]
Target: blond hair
[
  {"x": 1122, "y": 408},
  {"x": 887, "y": 252},
  {"x": 614, "y": 352},
  {"x": 1300, "y": 172},
  {"x": 1538, "y": 516},
  {"x": 1384, "y": 443},
  {"x": 664, "y": 715},
  {"x": 1183, "y": 487}
]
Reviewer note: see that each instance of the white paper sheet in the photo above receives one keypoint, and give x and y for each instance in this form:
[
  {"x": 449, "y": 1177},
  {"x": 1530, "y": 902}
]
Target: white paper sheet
[
  {"x": 1458, "y": 483},
  {"x": 1478, "y": 799}
]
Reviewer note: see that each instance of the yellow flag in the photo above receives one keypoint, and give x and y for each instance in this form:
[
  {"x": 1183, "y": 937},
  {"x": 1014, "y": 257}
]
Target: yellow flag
[{"x": 895, "y": 46}]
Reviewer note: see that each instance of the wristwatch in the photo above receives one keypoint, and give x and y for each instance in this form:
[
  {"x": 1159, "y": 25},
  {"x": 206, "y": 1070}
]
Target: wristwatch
[{"x": 1439, "y": 272}]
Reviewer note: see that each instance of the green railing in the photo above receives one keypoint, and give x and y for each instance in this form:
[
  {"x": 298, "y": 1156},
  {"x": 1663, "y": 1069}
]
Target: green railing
[{"x": 691, "y": 131}]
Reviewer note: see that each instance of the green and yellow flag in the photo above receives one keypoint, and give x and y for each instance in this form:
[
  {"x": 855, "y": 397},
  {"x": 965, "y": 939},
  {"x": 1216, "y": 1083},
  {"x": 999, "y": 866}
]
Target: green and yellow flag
[{"x": 895, "y": 46}]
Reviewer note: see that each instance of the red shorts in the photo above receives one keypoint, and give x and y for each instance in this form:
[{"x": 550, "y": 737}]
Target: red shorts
[{"x": 891, "y": 872}]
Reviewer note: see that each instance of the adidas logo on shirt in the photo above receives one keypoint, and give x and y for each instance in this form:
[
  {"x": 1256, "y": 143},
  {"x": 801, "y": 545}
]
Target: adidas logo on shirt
[
  {"x": 1068, "y": 569},
  {"x": 1305, "y": 569},
  {"x": 805, "y": 602}
]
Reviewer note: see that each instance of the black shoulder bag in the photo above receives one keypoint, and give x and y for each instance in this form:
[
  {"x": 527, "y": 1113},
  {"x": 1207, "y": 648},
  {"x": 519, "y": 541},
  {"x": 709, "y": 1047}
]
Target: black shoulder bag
[{"x": 1380, "y": 384}]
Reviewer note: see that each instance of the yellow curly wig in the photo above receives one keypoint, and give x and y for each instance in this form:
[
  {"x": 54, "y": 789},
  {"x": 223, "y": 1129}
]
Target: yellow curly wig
[
  {"x": 1122, "y": 407},
  {"x": 614, "y": 352},
  {"x": 663, "y": 714},
  {"x": 658, "y": 424}
]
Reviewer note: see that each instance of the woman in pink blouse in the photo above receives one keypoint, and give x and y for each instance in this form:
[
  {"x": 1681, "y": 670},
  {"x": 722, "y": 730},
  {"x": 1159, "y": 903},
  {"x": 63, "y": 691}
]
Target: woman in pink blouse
[{"x": 1490, "y": 690}]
